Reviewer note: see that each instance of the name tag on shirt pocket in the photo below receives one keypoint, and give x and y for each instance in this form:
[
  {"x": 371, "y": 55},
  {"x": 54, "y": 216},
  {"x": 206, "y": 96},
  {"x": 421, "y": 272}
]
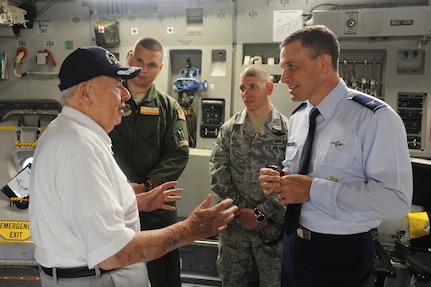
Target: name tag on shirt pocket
[{"x": 336, "y": 159}]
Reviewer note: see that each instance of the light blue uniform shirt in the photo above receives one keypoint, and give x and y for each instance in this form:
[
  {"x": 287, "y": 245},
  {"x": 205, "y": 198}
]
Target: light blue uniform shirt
[{"x": 360, "y": 164}]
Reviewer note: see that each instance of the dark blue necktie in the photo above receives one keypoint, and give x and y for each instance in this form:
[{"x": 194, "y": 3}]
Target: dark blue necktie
[{"x": 291, "y": 219}]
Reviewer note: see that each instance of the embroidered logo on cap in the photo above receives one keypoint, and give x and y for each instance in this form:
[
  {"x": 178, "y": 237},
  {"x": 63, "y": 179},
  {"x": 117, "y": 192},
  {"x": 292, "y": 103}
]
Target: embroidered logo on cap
[{"x": 111, "y": 58}]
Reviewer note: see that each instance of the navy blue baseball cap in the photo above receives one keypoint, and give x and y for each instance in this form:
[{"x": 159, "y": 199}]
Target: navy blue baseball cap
[{"x": 86, "y": 63}]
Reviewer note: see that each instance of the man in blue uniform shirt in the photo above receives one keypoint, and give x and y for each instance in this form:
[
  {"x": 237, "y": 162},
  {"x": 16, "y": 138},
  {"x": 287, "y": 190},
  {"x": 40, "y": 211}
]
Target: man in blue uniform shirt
[{"x": 359, "y": 173}]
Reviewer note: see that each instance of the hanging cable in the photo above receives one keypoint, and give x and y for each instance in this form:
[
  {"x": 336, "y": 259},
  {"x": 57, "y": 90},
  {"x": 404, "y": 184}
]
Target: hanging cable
[{"x": 21, "y": 54}]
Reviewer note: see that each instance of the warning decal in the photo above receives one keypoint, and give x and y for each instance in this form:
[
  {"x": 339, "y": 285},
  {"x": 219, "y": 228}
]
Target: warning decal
[{"x": 15, "y": 230}]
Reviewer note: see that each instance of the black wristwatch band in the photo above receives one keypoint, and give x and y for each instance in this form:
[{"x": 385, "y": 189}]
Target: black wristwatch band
[{"x": 148, "y": 185}]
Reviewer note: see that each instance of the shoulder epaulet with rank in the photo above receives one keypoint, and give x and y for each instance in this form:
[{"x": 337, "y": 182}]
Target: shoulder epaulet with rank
[
  {"x": 299, "y": 107},
  {"x": 368, "y": 101}
]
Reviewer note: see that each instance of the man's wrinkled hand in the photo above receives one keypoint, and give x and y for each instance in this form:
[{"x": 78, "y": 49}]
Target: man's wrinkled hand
[
  {"x": 158, "y": 196},
  {"x": 206, "y": 221}
]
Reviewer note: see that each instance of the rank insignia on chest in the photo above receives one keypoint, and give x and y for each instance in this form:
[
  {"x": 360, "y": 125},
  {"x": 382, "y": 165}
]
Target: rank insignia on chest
[
  {"x": 152, "y": 111},
  {"x": 181, "y": 114}
]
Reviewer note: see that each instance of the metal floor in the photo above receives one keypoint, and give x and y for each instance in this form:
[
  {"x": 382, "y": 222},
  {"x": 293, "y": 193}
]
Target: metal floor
[
  {"x": 22, "y": 276},
  {"x": 28, "y": 276}
]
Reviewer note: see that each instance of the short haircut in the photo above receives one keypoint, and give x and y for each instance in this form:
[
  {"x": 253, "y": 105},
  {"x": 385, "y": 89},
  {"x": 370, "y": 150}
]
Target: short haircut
[
  {"x": 149, "y": 43},
  {"x": 256, "y": 71},
  {"x": 318, "y": 40}
]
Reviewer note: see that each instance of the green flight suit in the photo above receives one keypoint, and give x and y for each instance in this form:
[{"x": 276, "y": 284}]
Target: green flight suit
[{"x": 151, "y": 142}]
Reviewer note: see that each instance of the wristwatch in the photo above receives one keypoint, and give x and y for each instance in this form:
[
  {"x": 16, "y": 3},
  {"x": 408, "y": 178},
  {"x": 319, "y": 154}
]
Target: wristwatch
[
  {"x": 148, "y": 185},
  {"x": 260, "y": 216}
]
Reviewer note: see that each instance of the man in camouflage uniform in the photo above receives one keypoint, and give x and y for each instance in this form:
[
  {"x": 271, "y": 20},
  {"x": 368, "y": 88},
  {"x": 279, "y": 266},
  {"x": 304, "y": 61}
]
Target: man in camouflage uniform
[
  {"x": 250, "y": 140},
  {"x": 151, "y": 147}
]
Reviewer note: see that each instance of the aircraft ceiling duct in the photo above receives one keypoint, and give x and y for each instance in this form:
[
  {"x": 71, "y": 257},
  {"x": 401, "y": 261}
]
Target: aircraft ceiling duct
[{"x": 376, "y": 22}]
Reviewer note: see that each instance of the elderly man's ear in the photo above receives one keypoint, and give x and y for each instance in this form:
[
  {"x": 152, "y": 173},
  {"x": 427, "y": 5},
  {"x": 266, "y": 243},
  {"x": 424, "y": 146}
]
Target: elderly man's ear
[{"x": 83, "y": 90}]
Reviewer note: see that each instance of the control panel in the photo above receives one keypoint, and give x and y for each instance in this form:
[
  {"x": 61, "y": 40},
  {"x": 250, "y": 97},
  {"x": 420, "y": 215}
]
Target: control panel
[
  {"x": 376, "y": 22},
  {"x": 411, "y": 111},
  {"x": 212, "y": 117}
]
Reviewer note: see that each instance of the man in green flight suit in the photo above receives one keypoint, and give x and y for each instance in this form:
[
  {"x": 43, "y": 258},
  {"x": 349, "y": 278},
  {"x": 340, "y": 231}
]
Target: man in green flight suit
[{"x": 151, "y": 146}]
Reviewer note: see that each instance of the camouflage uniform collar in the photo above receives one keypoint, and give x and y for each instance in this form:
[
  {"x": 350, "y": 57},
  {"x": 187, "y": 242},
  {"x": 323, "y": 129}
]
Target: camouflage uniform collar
[{"x": 274, "y": 122}]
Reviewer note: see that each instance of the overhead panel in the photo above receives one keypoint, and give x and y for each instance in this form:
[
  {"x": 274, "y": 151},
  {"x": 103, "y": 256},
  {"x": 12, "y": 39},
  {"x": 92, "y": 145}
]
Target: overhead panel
[{"x": 376, "y": 22}]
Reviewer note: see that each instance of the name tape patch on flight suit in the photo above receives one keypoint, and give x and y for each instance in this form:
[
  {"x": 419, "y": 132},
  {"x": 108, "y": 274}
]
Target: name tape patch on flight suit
[{"x": 152, "y": 111}]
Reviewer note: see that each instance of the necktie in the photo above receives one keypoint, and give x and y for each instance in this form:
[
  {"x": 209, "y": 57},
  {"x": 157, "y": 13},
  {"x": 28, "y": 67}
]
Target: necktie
[{"x": 291, "y": 219}]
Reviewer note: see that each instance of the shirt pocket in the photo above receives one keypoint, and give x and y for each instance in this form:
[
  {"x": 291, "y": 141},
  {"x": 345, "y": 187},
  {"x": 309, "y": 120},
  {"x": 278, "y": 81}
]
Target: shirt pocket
[
  {"x": 291, "y": 152},
  {"x": 335, "y": 163},
  {"x": 291, "y": 155},
  {"x": 336, "y": 159}
]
